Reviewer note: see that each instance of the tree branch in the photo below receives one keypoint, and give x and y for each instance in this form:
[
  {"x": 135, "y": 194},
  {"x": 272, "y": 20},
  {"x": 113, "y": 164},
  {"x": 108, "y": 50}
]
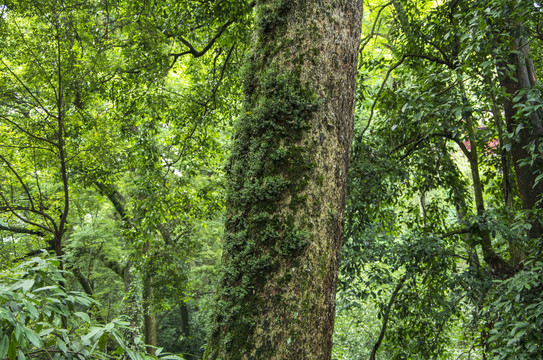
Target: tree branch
[
  {"x": 195, "y": 53},
  {"x": 432, "y": 59},
  {"x": 367, "y": 39},
  {"x": 20, "y": 230},
  {"x": 116, "y": 199},
  {"x": 386, "y": 316},
  {"x": 380, "y": 92},
  {"x": 456, "y": 232}
]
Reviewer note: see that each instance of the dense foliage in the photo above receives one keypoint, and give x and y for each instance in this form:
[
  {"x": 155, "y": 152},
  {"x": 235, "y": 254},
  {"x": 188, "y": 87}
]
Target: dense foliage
[
  {"x": 443, "y": 229},
  {"x": 115, "y": 123}
]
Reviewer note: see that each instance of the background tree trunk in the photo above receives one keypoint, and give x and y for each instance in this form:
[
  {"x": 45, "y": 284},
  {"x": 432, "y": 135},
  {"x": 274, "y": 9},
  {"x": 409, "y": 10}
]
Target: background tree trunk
[
  {"x": 531, "y": 129},
  {"x": 287, "y": 183},
  {"x": 149, "y": 315}
]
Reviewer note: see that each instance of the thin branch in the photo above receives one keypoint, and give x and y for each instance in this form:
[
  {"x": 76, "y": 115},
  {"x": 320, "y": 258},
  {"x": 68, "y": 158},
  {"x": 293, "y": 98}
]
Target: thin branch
[
  {"x": 29, "y": 147},
  {"x": 445, "y": 58},
  {"x": 35, "y": 57},
  {"x": 380, "y": 92},
  {"x": 27, "y": 89},
  {"x": 35, "y": 252},
  {"x": 432, "y": 59},
  {"x": 205, "y": 106},
  {"x": 402, "y": 59},
  {"x": 27, "y": 132},
  {"x": 386, "y": 316},
  {"x": 23, "y": 184},
  {"x": 367, "y": 39},
  {"x": 14, "y": 209},
  {"x": 195, "y": 53}
]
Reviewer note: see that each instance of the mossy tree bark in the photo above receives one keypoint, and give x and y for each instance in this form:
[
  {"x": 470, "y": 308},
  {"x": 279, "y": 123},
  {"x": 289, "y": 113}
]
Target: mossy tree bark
[{"x": 287, "y": 183}]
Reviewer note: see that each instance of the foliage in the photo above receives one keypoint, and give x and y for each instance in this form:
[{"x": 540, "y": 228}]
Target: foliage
[
  {"x": 39, "y": 319},
  {"x": 433, "y": 190},
  {"x": 516, "y": 333},
  {"x": 115, "y": 123}
]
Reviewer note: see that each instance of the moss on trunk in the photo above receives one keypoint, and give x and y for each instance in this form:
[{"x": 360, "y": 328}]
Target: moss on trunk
[{"x": 287, "y": 183}]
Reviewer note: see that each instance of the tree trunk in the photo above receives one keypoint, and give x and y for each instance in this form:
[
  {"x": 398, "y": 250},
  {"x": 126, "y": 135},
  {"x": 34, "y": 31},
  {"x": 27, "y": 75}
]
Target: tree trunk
[
  {"x": 184, "y": 317},
  {"x": 149, "y": 315},
  {"x": 499, "y": 266},
  {"x": 529, "y": 129},
  {"x": 287, "y": 183},
  {"x": 131, "y": 309}
]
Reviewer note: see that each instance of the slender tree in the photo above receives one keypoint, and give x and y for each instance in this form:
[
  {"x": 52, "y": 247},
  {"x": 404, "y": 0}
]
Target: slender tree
[{"x": 287, "y": 178}]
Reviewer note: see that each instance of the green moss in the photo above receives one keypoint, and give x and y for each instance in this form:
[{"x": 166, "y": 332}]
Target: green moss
[
  {"x": 270, "y": 167},
  {"x": 320, "y": 180},
  {"x": 293, "y": 241},
  {"x": 323, "y": 263},
  {"x": 298, "y": 201},
  {"x": 271, "y": 15},
  {"x": 332, "y": 214}
]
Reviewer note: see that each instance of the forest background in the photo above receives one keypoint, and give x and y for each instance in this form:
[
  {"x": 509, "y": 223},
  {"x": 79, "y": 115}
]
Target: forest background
[{"x": 116, "y": 121}]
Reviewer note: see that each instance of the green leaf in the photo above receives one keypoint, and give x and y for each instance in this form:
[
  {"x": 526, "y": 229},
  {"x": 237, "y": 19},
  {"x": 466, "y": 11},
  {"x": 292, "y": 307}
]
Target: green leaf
[
  {"x": 103, "y": 341},
  {"x": 45, "y": 288},
  {"x": 32, "y": 337},
  {"x": 83, "y": 316},
  {"x": 32, "y": 310},
  {"x": 538, "y": 180},
  {"x": 12, "y": 351},
  {"x": 20, "y": 355},
  {"x": 62, "y": 345},
  {"x": 93, "y": 332},
  {"x": 24, "y": 285},
  {"x": 4, "y": 345},
  {"x": 45, "y": 332}
]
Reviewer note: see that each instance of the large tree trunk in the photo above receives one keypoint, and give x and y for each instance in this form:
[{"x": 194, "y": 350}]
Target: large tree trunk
[
  {"x": 528, "y": 130},
  {"x": 287, "y": 183}
]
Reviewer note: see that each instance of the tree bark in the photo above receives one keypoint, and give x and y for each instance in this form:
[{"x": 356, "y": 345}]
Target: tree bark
[
  {"x": 287, "y": 183},
  {"x": 184, "y": 317},
  {"x": 149, "y": 316},
  {"x": 528, "y": 129}
]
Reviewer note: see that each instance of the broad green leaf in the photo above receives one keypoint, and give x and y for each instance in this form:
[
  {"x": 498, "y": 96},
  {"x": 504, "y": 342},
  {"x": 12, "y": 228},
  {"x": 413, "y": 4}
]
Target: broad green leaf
[
  {"x": 85, "y": 317},
  {"x": 32, "y": 337},
  {"x": 4, "y": 346},
  {"x": 62, "y": 345},
  {"x": 20, "y": 355}
]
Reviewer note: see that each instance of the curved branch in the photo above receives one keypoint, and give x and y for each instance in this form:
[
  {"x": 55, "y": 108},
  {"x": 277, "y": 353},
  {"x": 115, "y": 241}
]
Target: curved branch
[
  {"x": 402, "y": 59},
  {"x": 380, "y": 92},
  {"x": 14, "y": 209},
  {"x": 29, "y": 133},
  {"x": 195, "y": 53},
  {"x": 385, "y": 317},
  {"x": 432, "y": 59},
  {"x": 23, "y": 184},
  {"x": 116, "y": 199},
  {"x": 27, "y": 89},
  {"x": 367, "y": 39}
]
